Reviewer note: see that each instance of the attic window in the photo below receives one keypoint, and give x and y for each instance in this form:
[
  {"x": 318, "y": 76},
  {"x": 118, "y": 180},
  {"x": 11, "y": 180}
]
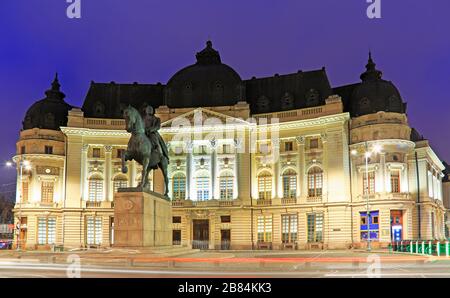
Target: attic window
[
  {"x": 99, "y": 108},
  {"x": 364, "y": 105}
]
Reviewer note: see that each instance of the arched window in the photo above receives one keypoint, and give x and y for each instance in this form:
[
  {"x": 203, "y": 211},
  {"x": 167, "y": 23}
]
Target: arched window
[
  {"x": 265, "y": 186},
  {"x": 99, "y": 108},
  {"x": 289, "y": 184},
  {"x": 262, "y": 104},
  {"x": 202, "y": 186},
  {"x": 179, "y": 186},
  {"x": 287, "y": 101},
  {"x": 226, "y": 186},
  {"x": 95, "y": 189},
  {"x": 315, "y": 182},
  {"x": 120, "y": 182},
  {"x": 312, "y": 98}
]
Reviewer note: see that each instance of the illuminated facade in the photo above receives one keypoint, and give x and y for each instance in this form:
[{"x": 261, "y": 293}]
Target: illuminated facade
[{"x": 226, "y": 192}]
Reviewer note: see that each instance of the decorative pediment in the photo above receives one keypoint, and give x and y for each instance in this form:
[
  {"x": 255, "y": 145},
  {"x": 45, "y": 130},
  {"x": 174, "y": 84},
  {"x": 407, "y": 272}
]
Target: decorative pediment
[{"x": 207, "y": 118}]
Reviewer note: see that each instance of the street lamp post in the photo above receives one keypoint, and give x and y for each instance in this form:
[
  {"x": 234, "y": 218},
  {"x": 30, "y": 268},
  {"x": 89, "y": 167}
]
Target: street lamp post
[
  {"x": 367, "y": 153},
  {"x": 22, "y": 164},
  {"x": 366, "y": 156}
]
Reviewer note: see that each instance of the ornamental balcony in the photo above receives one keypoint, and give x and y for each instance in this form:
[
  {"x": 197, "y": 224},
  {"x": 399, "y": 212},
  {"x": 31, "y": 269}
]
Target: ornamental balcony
[
  {"x": 288, "y": 201},
  {"x": 98, "y": 204},
  {"x": 314, "y": 199},
  {"x": 401, "y": 196},
  {"x": 181, "y": 203},
  {"x": 263, "y": 202}
]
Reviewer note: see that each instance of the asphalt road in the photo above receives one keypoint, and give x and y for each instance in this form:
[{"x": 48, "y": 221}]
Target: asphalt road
[{"x": 405, "y": 269}]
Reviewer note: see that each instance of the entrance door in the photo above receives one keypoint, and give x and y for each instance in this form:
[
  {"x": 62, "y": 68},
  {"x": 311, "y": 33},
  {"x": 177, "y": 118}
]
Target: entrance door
[
  {"x": 23, "y": 233},
  {"x": 225, "y": 238},
  {"x": 396, "y": 225},
  {"x": 201, "y": 234}
]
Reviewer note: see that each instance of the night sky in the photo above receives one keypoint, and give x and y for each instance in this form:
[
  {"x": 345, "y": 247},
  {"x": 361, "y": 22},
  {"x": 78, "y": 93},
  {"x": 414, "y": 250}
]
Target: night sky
[{"x": 148, "y": 41}]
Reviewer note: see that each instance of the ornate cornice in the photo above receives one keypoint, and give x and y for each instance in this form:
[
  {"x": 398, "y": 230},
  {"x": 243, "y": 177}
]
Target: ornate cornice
[{"x": 94, "y": 132}]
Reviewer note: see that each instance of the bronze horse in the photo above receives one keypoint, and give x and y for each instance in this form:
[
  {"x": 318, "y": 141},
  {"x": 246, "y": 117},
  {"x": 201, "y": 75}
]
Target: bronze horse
[{"x": 140, "y": 149}]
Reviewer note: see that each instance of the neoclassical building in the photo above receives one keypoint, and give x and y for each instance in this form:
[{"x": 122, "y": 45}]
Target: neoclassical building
[{"x": 281, "y": 162}]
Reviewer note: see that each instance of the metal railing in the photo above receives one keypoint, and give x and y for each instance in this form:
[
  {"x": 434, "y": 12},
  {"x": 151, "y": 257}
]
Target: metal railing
[
  {"x": 225, "y": 245},
  {"x": 200, "y": 244},
  {"x": 424, "y": 247}
]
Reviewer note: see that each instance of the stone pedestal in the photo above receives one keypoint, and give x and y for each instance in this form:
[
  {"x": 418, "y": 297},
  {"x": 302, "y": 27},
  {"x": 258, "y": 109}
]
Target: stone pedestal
[{"x": 141, "y": 219}]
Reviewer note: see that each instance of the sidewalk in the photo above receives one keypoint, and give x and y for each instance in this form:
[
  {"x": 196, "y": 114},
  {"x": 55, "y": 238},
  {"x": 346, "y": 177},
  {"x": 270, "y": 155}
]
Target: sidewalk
[{"x": 223, "y": 260}]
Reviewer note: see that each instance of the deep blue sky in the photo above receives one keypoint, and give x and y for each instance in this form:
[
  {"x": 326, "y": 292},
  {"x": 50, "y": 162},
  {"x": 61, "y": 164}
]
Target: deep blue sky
[{"x": 148, "y": 41}]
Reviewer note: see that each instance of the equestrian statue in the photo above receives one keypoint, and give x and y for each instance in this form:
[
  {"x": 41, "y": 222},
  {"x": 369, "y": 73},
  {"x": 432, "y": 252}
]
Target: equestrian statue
[{"x": 146, "y": 146}]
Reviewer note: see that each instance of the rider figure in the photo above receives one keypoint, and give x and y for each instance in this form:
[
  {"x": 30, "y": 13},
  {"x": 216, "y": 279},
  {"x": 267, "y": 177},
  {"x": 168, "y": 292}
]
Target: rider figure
[{"x": 152, "y": 125}]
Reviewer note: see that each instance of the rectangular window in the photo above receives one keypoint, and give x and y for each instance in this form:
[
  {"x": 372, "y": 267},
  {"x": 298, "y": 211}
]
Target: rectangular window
[
  {"x": 225, "y": 219},
  {"x": 48, "y": 149},
  {"x": 289, "y": 186},
  {"x": 47, "y": 191},
  {"x": 179, "y": 187},
  {"x": 289, "y": 228},
  {"x": 226, "y": 149},
  {"x": 202, "y": 149},
  {"x": 22, "y": 150},
  {"x": 25, "y": 192},
  {"x": 96, "y": 152},
  {"x": 202, "y": 188},
  {"x": 371, "y": 186},
  {"x": 46, "y": 230},
  {"x": 315, "y": 227},
  {"x": 226, "y": 188},
  {"x": 265, "y": 187},
  {"x": 264, "y": 148},
  {"x": 176, "y": 237},
  {"x": 314, "y": 143},
  {"x": 95, "y": 190},
  {"x": 395, "y": 181},
  {"x": 265, "y": 228},
  {"x": 176, "y": 219},
  {"x": 93, "y": 230},
  {"x": 315, "y": 182},
  {"x": 120, "y": 153},
  {"x": 288, "y": 146},
  {"x": 373, "y": 225}
]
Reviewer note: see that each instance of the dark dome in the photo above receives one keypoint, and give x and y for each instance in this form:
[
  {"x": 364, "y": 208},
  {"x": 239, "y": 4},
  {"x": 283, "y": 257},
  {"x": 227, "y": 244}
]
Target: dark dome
[
  {"x": 375, "y": 94},
  {"x": 208, "y": 82},
  {"x": 50, "y": 112}
]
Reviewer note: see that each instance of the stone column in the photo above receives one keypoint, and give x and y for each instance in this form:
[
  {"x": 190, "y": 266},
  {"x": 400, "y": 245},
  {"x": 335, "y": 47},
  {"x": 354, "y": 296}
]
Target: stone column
[
  {"x": 326, "y": 167},
  {"x": 108, "y": 184},
  {"x": 84, "y": 172},
  {"x": 404, "y": 175},
  {"x": 302, "y": 180},
  {"x": 214, "y": 187},
  {"x": 189, "y": 170},
  {"x": 276, "y": 171},
  {"x": 236, "y": 175},
  {"x": 61, "y": 185},
  {"x": 384, "y": 174}
]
